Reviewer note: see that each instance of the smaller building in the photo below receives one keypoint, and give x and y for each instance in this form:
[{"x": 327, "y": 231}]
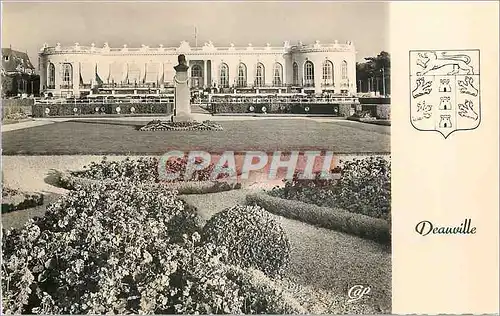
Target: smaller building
[{"x": 18, "y": 74}]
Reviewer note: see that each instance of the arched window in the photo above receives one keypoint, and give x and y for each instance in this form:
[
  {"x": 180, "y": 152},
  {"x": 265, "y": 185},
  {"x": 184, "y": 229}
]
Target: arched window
[
  {"x": 224, "y": 76},
  {"x": 344, "y": 69},
  {"x": 51, "y": 73},
  {"x": 327, "y": 73},
  {"x": 242, "y": 75},
  {"x": 295, "y": 73},
  {"x": 309, "y": 74},
  {"x": 196, "y": 75},
  {"x": 67, "y": 76},
  {"x": 277, "y": 75},
  {"x": 196, "y": 71},
  {"x": 259, "y": 75}
]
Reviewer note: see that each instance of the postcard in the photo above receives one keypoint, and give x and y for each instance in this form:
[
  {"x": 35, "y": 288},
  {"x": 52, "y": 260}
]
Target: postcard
[{"x": 249, "y": 157}]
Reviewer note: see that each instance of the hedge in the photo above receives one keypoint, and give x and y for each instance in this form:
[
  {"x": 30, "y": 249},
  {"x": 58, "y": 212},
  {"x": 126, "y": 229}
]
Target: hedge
[
  {"x": 21, "y": 201},
  {"x": 16, "y": 106},
  {"x": 68, "y": 109},
  {"x": 360, "y": 225},
  {"x": 295, "y": 108},
  {"x": 380, "y": 111},
  {"x": 71, "y": 182}
]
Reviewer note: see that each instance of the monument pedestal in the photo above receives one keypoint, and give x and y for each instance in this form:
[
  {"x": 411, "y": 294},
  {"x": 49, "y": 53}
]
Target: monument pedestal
[{"x": 182, "y": 95}]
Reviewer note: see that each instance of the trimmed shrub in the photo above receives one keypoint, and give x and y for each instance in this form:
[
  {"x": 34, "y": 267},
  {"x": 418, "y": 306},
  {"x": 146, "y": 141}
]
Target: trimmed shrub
[
  {"x": 20, "y": 200},
  {"x": 111, "y": 249},
  {"x": 380, "y": 111},
  {"x": 253, "y": 238},
  {"x": 384, "y": 111},
  {"x": 70, "y": 182},
  {"x": 331, "y": 218}
]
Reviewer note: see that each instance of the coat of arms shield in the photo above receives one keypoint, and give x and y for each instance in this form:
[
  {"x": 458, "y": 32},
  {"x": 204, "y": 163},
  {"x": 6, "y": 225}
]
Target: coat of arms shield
[{"x": 445, "y": 90}]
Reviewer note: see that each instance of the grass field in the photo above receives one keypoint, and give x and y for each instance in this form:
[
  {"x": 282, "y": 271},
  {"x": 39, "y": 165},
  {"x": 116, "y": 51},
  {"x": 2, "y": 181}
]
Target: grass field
[{"x": 122, "y": 137}]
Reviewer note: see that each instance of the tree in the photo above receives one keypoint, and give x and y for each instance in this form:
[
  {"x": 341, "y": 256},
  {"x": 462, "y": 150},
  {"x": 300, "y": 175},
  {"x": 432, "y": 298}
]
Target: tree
[{"x": 375, "y": 68}]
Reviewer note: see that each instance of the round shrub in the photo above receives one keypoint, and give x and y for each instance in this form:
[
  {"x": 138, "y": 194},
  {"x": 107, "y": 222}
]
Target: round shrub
[{"x": 252, "y": 237}]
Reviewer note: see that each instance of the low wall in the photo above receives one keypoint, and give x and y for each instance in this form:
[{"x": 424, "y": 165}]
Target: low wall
[
  {"x": 69, "y": 109},
  {"x": 12, "y": 106}
]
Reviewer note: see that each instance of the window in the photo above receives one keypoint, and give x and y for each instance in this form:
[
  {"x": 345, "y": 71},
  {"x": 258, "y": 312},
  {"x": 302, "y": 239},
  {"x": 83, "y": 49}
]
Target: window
[
  {"x": 242, "y": 75},
  {"x": 67, "y": 71},
  {"x": 196, "y": 71},
  {"x": 344, "y": 69},
  {"x": 277, "y": 75},
  {"x": 259, "y": 75},
  {"x": 196, "y": 74},
  {"x": 6, "y": 57},
  {"x": 224, "y": 76},
  {"x": 295, "y": 73},
  {"x": 309, "y": 74},
  {"x": 328, "y": 73},
  {"x": 51, "y": 73}
]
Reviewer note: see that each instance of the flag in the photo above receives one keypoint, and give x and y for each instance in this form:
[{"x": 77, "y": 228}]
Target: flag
[{"x": 97, "y": 79}]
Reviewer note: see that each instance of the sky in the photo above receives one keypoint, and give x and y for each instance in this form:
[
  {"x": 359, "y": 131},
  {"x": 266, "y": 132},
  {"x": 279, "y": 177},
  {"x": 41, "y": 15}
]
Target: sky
[{"x": 26, "y": 26}]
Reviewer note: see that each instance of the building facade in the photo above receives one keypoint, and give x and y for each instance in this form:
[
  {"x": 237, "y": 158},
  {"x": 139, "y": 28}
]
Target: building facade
[
  {"x": 85, "y": 70},
  {"x": 18, "y": 74}
]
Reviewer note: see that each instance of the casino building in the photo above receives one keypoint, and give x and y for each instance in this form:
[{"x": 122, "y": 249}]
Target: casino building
[{"x": 316, "y": 68}]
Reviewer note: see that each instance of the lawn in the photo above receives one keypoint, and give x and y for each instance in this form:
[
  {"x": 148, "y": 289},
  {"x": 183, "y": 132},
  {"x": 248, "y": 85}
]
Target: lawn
[{"x": 122, "y": 137}]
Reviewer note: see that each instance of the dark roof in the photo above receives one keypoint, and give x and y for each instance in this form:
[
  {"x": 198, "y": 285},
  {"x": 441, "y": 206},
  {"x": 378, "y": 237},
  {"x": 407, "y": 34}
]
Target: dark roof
[{"x": 17, "y": 61}]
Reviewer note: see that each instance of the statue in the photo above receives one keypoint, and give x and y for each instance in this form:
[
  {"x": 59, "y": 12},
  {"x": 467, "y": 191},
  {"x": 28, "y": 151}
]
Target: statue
[
  {"x": 182, "y": 110},
  {"x": 182, "y": 66}
]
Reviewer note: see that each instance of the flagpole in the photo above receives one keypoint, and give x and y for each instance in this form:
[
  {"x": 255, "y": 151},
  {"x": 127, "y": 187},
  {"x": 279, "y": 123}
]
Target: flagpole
[{"x": 195, "y": 37}]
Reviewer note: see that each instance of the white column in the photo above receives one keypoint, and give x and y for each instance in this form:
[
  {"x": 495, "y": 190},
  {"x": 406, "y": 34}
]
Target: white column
[
  {"x": 318, "y": 73},
  {"x": 205, "y": 74}
]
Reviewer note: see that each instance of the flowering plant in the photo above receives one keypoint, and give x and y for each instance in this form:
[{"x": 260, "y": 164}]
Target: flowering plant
[
  {"x": 122, "y": 249},
  {"x": 364, "y": 186},
  {"x": 144, "y": 169}
]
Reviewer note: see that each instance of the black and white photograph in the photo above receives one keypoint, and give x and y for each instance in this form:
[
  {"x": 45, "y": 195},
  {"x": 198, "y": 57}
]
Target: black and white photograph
[{"x": 196, "y": 157}]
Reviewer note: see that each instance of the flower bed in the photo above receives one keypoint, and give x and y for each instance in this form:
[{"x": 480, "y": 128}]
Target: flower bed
[
  {"x": 121, "y": 249},
  {"x": 16, "y": 117},
  {"x": 143, "y": 172},
  {"x": 14, "y": 200},
  {"x": 364, "y": 187},
  {"x": 157, "y": 125},
  {"x": 72, "y": 109},
  {"x": 331, "y": 218}
]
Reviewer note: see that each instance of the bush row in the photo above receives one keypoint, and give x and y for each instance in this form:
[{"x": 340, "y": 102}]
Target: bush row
[
  {"x": 229, "y": 107},
  {"x": 71, "y": 182},
  {"x": 69, "y": 109},
  {"x": 331, "y": 218},
  {"x": 21, "y": 201},
  {"x": 16, "y": 107},
  {"x": 380, "y": 111},
  {"x": 118, "y": 248}
]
